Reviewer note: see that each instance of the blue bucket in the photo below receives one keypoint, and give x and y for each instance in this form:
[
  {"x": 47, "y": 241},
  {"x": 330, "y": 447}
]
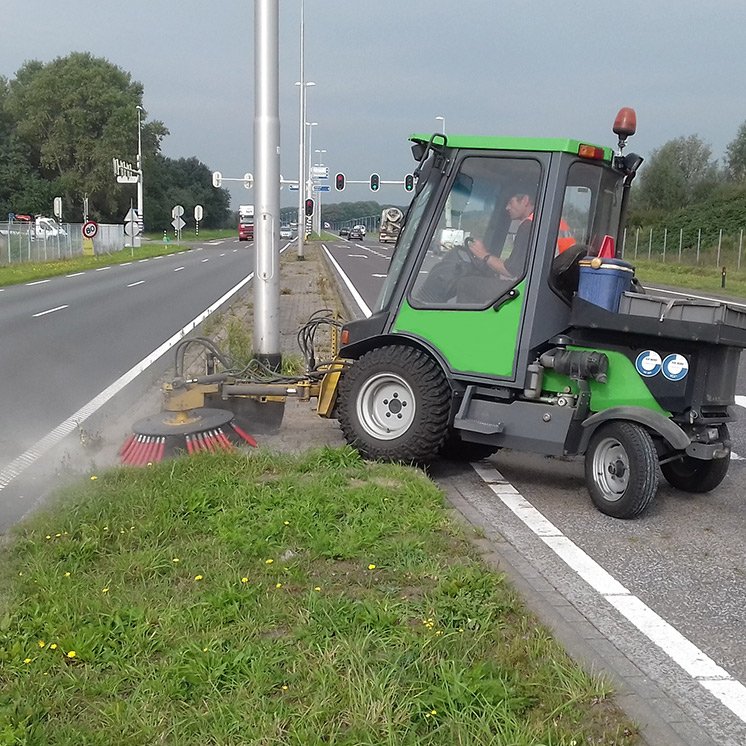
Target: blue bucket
[{"x": 604, "y": 281}]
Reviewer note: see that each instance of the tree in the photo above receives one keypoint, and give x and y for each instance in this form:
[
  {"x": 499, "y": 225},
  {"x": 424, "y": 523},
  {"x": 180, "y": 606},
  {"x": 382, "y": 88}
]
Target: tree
[
  {"x": 71, "y": 117},
  {"x": 679, "y": 172},
  {"x": 186, "y": 182},
  {"x": 736, "y": 156}
]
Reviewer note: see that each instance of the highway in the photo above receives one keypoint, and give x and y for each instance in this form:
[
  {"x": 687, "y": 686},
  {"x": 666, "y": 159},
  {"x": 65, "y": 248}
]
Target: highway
[{"x": 666, "y": 590}]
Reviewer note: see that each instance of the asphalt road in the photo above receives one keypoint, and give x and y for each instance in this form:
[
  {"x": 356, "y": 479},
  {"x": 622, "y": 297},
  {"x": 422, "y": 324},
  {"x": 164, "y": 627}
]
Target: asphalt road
[
  {"x": 679, "y": 571},
  {"x": 68, "y": 339}
]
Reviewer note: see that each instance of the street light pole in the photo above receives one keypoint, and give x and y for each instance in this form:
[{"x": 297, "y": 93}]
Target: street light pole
[
  {"x": 302, "y": 140},
  {"x": 137, "y": 241}
]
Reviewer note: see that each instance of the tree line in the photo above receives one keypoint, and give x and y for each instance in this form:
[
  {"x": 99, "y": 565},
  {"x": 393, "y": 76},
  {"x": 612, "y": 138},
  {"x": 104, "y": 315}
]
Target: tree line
[{"x": 62, "y": 124}]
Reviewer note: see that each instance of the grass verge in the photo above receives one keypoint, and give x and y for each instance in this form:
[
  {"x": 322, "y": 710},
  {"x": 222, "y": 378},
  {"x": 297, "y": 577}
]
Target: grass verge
[{"x": 271, "y": 599}]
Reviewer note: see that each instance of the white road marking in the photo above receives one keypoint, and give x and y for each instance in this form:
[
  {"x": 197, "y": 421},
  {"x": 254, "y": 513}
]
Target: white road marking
[
  {"x": 140, "y": 261},
  {"x": 178, "y": 269},
  {"x": 133, "y": 284},
  {"x": 378, "y": 275},
  {"x": 125, "y": 264},
  {"x": 348, "y": 283},
  {"x": 75, "y": 274},
  {"x": 358, "y": 256},
  {"x": 679, "y": 649},
  {"x": 101, "y": 269},
  {"x": 223, "y": 254},
  {"x": 36, "y": 282},
  {"x": 16, "y": 467},
  {"x": 204, "y": 260},
  {"x": 51, "y": 310},
  {"x": 741, "y": 401}
]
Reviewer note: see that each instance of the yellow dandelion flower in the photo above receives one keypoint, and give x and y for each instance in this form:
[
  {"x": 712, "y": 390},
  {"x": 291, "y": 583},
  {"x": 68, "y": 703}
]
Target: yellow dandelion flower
[
  {"x": 20, "y": 573},
  {"x": 58, "y": 535},
  {"x": 433, "y": 712},
  {"x": 48, "y": 536},
  {"x": 204, "y": 650},
  {"x": 106, "y": 528},
  {"x": 279, "y": 585},
  {"x": 67, "y": 574},
  {"x": 287, "y": 523},
  {"x": 93, "y": 477},
  {"x": 198, "y": 577},
  {"x": 71, "y": 654},
  {"x": 268, "y": 561},
  {"x": 371, "y": 567},
  {"x": 53, "y": 646},
  {"x": 176, "y": 560},
  {"x": 41, "y": 643},
  {"x": 427, "y": 714},
  {"x": 284, "y": 687},
  {"x": 244, "y": 580},
  {"x": 104, "y": 590},
  {"x": 317, "y": 588},
  {"x": 27, "y": 660}
]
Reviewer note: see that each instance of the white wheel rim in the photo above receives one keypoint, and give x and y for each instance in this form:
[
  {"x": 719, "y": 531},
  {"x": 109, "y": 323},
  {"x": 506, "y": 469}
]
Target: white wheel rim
[
  {"x": 386, "y": 406},
  {"x": 611, "y": 468}
]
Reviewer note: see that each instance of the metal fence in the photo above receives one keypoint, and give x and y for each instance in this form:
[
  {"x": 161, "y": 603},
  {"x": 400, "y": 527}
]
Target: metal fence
[
  {"x": 19, "y": 242},
  {"x": 705, "y": 247}
]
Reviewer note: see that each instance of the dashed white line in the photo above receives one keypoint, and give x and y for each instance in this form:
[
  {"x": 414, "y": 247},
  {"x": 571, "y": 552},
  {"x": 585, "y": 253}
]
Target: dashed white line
[
  {"x": 101, "y": 269},
  {"x": 75, "y": 274},
  {"x": 37, "y": 282},
  {"x": 358, "y": 256},
  {"x": 679, "y": 649},
  {"x": 51, "y": 310},
  {"x": 223, "y": 254},
  {"x": 139, "y": 282},
  {"x": 140, "y": 261},
  {"x": 125, "y": 264},
  {"x": 202, "y": 261},
  {"x": 178, "y": 269}
]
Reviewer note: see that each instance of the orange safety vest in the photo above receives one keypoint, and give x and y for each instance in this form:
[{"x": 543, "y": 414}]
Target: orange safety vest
[{"x": 565, "y": 238}]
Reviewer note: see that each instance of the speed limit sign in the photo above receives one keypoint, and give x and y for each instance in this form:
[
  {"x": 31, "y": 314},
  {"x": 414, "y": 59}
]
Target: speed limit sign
[{"x": 90, "y": 229}]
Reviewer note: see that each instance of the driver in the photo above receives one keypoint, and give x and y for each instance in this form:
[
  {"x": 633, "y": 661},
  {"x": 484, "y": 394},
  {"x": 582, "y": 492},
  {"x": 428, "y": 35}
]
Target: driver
[{"x": 519, "y": 207}]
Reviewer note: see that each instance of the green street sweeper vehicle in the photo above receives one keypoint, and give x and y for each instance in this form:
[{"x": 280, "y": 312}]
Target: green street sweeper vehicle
[{"x": 508, "y": 319}]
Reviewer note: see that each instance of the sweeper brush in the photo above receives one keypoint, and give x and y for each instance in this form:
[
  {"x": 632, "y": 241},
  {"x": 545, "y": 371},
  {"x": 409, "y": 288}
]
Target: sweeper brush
[{"x": 168, "y": 433}]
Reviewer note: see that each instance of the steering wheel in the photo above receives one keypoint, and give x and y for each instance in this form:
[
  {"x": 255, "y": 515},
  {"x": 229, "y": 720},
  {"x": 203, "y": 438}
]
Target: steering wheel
[{"x": 465, "y": 251}]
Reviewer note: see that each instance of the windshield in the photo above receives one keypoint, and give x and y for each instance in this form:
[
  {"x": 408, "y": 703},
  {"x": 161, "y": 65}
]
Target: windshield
[{"x": 404, "y": 244}]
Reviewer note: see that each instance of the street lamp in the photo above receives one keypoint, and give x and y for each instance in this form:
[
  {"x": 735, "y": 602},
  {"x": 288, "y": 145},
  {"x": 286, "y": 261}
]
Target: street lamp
[
  {"x": 137, "y": 241},
  {"x": 302, "y": 87},
  {"x": 442, "y": 121}
]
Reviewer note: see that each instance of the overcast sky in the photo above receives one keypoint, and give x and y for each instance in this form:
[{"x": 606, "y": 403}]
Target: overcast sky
[{"x": 387, "y": 68}]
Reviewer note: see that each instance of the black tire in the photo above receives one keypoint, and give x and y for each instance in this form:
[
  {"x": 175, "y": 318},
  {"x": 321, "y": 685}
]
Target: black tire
[
  {"x": 393, "y": 405},
  {"x": 456, "y": 449},
  {"x": 694, "y": 475},
  {"x": 621, "y": 469}
]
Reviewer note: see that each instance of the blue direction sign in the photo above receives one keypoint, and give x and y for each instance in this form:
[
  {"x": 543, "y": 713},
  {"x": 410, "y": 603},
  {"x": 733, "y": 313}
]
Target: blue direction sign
[{"x": 321, "y": 188}]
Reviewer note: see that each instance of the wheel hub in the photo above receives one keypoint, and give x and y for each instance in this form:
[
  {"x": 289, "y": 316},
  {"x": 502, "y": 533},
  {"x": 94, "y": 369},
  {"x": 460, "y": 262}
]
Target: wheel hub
[{"x": 386, "y": 406}]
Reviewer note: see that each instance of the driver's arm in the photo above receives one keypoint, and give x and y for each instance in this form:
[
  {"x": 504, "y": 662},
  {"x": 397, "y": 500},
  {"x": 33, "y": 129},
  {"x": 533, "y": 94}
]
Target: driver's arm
[{"x": 479, "y": 250}]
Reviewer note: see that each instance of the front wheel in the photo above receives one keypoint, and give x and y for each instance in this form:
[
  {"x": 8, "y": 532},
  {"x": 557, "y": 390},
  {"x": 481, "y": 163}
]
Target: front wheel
[
  {"x": 394, "y": 404},
  {"x": 621, "y": 469}
]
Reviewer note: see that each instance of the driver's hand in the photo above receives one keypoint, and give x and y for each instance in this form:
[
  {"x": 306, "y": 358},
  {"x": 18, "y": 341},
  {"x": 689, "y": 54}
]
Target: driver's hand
[{"x": 477, "y": 247}]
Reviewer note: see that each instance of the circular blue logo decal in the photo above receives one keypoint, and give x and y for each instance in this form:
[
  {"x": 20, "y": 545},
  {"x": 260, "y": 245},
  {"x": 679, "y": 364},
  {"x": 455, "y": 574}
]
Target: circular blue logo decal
[
  {"x": 648, "y": 363},
  {"x": 675, "y": 367}
]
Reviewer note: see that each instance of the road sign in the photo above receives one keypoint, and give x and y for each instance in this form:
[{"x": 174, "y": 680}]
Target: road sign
[
  {"x": 198, "y": 212},
  {"x": 293, "y": 187},
  {"x": 131, "y": 216},
  {"x": 131, "y": 229},
  {"x": 321, "y": 188},
  {"x": 90, "y": 229},
  {"x": 178, "y": 223},
  {"x": 320, "y": 171},
  {"x": 177, "y": 211},
  {"x": 128, "y": 179}
]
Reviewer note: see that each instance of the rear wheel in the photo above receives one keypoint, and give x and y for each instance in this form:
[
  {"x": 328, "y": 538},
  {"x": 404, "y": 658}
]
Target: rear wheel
[
  {"x": 621, "y": 469},
  {"x": 394, "y": 404},
  {"x": 694, "y": 475}
]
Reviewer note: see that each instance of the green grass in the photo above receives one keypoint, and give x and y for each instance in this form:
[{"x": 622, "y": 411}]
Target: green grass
[
  {"x": 13, "y": 274},
  {"x": 690, "y": 277},
  {"x": 318, "y": 599}
]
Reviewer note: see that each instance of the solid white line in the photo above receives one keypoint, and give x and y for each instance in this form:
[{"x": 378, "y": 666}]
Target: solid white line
[
  {"x": 679, "y": 649},
  {"x": 139, "y": 282},
  {"x": 75, "y": 274},
  {"x": 178, "y": 269},
  {"x": 37, "y": 282},
  {"x": 51, "y": 310},
  {"x": 353, "y": 290},
  {"x": 16, "y": 467}
]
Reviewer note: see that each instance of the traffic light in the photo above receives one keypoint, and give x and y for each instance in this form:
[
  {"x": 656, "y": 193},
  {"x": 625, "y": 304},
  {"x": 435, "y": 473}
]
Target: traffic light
[
  {"x": 409, "y": 182},
  {"x": 309, "y": 207},
  {"x": 339, "y": 182},
  {"x": 375, "y": 182}
]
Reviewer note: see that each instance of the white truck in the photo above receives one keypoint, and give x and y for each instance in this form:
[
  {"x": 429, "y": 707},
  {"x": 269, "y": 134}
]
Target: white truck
[
  {"x": 391, "y": 220},
  {"x": 246, "y": 222}
]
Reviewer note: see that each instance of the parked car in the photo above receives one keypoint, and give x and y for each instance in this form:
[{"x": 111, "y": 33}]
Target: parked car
[
  {"x": 286, "y": 231},
  {"x": 344, "y": 231},
  {"x": 356, "y": 233}
]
